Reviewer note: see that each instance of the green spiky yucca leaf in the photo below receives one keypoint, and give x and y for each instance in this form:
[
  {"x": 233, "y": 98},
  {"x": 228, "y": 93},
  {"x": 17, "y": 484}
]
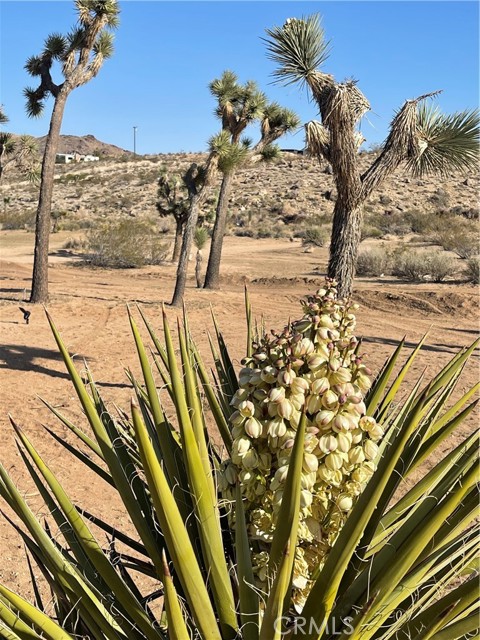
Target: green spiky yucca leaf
[{"x": 399, "y": 568}]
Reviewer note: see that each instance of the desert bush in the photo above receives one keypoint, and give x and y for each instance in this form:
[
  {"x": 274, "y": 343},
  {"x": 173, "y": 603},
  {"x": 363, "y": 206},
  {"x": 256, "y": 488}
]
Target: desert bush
[
  {"x": 389, "y": 223},
  {"x": 75, "y": 244},
  {"x": 296, "y": 522},
  {"x": 370, "y": 231},
  {"x": 125, "y": 244},
  {"x": 17, "y": 220},
  {"x": 461, "y": 239},
  {"x": 417, "y": 266},
  {"x": 373, "y": 262},
  {"x": 410, "y": 265},
  {"x": 314, "y": 237},
  {"x": 419, "y": 221},
  {"x": 472, "y": 270}
]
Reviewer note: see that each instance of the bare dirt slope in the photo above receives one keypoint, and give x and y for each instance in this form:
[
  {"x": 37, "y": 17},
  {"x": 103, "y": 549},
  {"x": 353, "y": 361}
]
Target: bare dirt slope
[{"x": 89, "y": 308}]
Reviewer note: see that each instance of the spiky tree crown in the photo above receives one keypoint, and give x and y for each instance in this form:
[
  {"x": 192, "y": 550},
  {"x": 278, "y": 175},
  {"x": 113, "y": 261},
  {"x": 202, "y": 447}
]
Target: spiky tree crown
[{"x": 81, "y": 52}]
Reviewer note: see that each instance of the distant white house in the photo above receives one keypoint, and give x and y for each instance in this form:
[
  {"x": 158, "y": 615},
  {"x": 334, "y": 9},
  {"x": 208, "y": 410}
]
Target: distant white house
[{"x": 66, "y": 158}]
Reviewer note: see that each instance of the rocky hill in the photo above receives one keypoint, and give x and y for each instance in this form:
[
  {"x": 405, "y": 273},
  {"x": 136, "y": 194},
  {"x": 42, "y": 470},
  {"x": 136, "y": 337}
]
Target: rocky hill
[
  {"x": 85, "y": 145},
  {"x": 282, "y": 198}
]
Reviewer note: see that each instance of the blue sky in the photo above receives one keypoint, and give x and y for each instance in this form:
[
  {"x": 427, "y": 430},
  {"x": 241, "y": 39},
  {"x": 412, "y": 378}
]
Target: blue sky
[{"x": 167, "y": 53}]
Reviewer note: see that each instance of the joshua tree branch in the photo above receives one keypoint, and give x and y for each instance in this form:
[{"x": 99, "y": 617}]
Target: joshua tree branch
[{"x": 402, "y": 143}]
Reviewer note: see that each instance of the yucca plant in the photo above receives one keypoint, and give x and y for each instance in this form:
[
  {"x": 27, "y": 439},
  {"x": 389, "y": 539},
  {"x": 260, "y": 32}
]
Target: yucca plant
[{"x": 398, "y": 563}]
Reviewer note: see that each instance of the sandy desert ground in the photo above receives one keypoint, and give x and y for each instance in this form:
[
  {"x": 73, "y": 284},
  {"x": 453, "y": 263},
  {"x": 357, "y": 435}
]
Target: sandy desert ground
[{"x": 89, "y": 307}]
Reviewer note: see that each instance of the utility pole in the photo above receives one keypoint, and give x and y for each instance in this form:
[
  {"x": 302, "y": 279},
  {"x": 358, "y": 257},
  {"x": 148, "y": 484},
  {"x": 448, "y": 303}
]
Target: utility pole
[{"x": 135, "y": 142}]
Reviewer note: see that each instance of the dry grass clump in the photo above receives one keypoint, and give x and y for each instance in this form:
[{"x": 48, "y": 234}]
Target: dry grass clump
[{"x": 125, "y": 244}]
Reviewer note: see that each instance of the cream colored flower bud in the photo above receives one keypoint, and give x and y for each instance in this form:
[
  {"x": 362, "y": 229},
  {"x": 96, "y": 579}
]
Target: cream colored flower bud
[
  {"x": 236, "y": 418},
  {"x": 299, "y": 385},
  {"x": 285, "y": 409},
  {"x": 295, "y": 418},
  {"x": 310, "y": 462},
  {"x": 344, "y": 440},
  {"x": 371, "y": 449},
  {"x": 363, "y": 382},
  {"x": 250, "y": 459},
  {"x": 344, "y": 502},
  {"x": 320, "y": 386},
  {"x": 238, "y": 431},
  {"x": 360, "y": 475},
  {"x": 315, "y": 361},
  {"x": 342, "y": 423},
  {"x": 357, "y": 436},
  {"x": 334, "y": 461},
  {"x": 272, "y": 409},
  {"x": 260, "y": 394},
  {"x": 322, "y": 333},
  {"x": 356, "y": 455},
  {"x": 256, "y": 377},
  {"x": 357, "y": 405},
  {"x": 327, "y": 444},
  {"x": 297, "y": 400},
  {"x": 314, "y": 403},
  {"x": 324, "y": 473},
  {"x": 242, "y": 445},
  {"x": 375, "y": 432},
  {"x": 308, "y": 480},
  {"x": 277, "y": 500},
  {"x": 326, "y": 321},
  {"x": 277, "y": 394},
  {"x": 285, "y": 378},
  {"x": 306, "y": 498},
  {"x": 244, "y": 376},
  {"x": 277, "y": 427},
  {"x": 246, "y": 408},
  {"x": 340, "y": 376},
  {"x": 330, "y": 400},
  {"x": 269, "y": 374},
  {"x": 253, "y": 427},
  {"x": 324, "y": 417}
]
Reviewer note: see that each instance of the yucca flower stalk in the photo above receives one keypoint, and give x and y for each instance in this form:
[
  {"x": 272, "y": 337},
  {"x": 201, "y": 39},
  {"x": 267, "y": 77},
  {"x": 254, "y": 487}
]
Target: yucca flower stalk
[
  {"x": 392, "y": 568},
  {"x": 311, "y": 367}
]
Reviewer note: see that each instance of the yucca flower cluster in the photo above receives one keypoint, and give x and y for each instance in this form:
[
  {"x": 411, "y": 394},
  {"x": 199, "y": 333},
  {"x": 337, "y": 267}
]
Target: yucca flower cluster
[{"x": 312, "y": 366}]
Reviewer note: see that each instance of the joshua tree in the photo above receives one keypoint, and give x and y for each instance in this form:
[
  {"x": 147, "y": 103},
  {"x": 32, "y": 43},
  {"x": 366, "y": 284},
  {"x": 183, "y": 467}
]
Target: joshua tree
[
  {"x": 81, "y": 54},
  {"x": 173, "y": 201},
  {"x": 198, "y": 181},
  {"x": 420, "y": 137},
  {"x": 238, "y": 106},
  {"x": 21, "y": 151}
]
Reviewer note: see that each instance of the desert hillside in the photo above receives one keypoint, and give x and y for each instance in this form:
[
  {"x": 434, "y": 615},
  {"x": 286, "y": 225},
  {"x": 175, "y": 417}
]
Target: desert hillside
[{"x": 278, "y": 199}]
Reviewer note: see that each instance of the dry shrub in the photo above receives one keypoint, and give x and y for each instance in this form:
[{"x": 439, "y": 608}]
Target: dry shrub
[
  {"x": 17, "y": 220},
  {"x": 472, "y": 270},
  {"x": 125, "y": 244},
  {"x": 416, "y": 266},
  {"x": 373, "y": 262},
  {"x": 314, "y": 237}
]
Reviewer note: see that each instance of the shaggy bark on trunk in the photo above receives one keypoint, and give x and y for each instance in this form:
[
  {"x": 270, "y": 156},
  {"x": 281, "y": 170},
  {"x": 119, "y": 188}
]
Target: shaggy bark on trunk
[
  {"x": 179, "y": 224},
  {"x": 345, "y": 241},
  {"x": 212, "y": 277},
  {"x": 39, "y": 291},
  {"x": 186, "y": 248}
]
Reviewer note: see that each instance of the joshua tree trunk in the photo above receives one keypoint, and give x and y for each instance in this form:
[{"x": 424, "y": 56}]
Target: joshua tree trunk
[
  {"x": 345, "y": 241},
  {"x": 212, "y": 277},
  {"x": 198, "y": 269},
  {"x": 42, "y": 226},
  {"x": 178, "y": 240},
  {"x": 185, "y": 251}
]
